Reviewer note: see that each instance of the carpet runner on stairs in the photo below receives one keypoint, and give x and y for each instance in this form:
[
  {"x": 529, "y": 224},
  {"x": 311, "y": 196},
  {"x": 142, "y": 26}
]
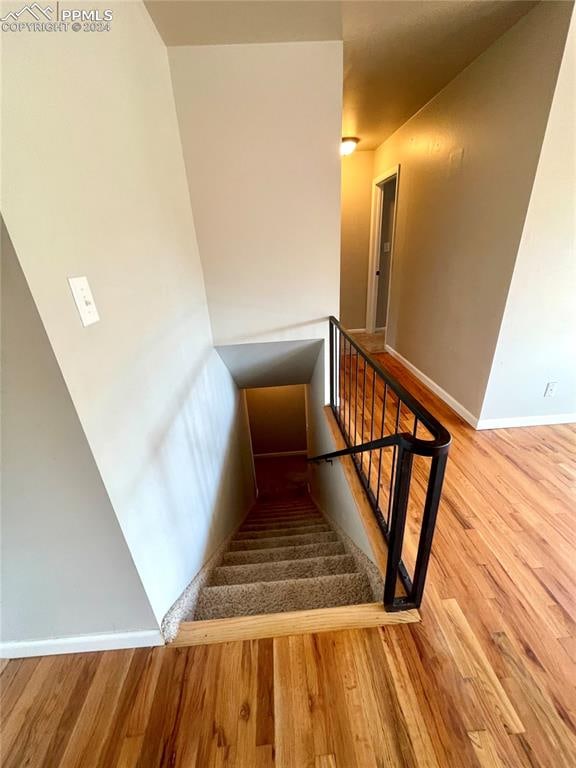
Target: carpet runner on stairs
[{"x": 285, "y": 557}]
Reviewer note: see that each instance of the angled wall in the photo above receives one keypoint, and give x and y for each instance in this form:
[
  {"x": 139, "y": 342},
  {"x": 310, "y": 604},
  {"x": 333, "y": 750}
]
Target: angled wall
[
  {"x": 467, "y": 164},
  {"x": 260, "y": 127},
  {"x": 66, "y": 569},
  {"x": 537, "y": 341},
  {"x": 93, "y": 183}
]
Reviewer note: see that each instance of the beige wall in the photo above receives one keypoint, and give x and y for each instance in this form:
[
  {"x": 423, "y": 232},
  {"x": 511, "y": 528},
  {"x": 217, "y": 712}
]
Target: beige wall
[
  {"x": 537, "y": 341},
  {"x": 277, "y": 418},
  {"x": 330, "y": 488},
  {"x": 468, "y": 160},
  {"x": 357, "y": 176},
  {"x": 260, "y": 127},
  {"x": 94, "y": 184},
  {"x": 66, "y": 569}
]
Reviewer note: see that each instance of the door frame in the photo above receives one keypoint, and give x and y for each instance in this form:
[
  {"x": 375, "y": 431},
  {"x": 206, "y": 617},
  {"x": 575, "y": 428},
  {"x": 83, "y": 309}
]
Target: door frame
[{"x": 374, "y": 250}]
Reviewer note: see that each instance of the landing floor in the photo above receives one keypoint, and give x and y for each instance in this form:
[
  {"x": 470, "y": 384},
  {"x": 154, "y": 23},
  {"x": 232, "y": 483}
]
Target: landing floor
[{"x": 487, "y": 679}]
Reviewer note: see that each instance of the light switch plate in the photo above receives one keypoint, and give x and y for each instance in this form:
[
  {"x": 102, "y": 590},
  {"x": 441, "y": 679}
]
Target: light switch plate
[{"x": 84, "y": 300}]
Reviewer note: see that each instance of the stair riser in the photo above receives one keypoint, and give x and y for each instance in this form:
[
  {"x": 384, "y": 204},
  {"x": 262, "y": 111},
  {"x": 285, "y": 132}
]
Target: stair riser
[
  {"x": 285, "y": 525},
  {"x": 273, "y": 533},
  {"x": 283, "y": 541},
  {"x": 310, "y": 514},
  {"x": 279, "y": 504},
  {"x": 283, "y": 553},
  {"x": 283, "y": 570}
]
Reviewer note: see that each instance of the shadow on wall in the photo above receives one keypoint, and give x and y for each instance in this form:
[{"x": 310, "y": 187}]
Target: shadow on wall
[{"x": 196, "y": 486}]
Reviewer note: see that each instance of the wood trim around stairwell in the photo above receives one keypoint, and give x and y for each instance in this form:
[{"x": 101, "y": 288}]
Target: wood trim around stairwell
[{"x": 290, "y": 623}]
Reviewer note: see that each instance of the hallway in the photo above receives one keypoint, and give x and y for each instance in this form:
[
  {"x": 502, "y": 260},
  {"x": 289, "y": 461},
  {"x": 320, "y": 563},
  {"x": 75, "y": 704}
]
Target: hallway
[{"x": 487, "y": 678}]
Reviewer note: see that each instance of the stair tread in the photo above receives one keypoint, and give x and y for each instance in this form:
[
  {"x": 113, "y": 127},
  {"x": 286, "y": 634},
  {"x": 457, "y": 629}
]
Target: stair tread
[
  {"x": 280, "y": 541},
  {"x": 275, "y": 554},
  {"x": 283, "y": 569},
  {"x": 281, "y": 596}
]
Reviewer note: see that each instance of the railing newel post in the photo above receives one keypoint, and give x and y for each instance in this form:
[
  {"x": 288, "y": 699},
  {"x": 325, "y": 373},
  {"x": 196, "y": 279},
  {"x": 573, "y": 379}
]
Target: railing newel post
[
  {"x": 332, "y": 362},
  {"x": 397, "y": 523}
]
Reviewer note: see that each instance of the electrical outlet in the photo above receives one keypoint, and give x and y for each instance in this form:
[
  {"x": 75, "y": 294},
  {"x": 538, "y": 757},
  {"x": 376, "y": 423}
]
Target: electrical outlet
[{"x": 550, "y": 390}]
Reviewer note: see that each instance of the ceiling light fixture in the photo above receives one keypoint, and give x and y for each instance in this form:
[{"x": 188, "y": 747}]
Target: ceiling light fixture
[{"x": 348, "y": 145}]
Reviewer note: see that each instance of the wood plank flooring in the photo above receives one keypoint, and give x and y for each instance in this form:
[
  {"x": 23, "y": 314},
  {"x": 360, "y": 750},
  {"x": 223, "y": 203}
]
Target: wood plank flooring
[{"x": 487, "y": 680}]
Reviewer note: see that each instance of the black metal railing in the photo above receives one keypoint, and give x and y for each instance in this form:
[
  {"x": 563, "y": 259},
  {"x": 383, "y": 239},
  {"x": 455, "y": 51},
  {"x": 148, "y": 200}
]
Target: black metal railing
[{"x": 400, "y": 451}]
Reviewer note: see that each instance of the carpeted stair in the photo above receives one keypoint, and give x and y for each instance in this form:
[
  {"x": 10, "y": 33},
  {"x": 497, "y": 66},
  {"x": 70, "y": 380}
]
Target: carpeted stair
[{"x": 285, "y": 557}]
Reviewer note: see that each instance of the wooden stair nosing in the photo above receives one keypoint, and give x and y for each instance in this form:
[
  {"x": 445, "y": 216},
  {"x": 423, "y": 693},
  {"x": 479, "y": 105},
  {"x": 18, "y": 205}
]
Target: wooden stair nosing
[{"x": 291, "y": 623}]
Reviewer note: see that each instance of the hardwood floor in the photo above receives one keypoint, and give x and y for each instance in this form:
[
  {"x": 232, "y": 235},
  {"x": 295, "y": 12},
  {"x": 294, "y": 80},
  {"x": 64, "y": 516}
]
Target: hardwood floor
[{"x": 488, "y": 679}]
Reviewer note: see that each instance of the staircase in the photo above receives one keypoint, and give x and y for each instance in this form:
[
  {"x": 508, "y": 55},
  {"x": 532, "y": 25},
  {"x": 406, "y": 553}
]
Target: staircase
[{"x": 285, "y": 557}]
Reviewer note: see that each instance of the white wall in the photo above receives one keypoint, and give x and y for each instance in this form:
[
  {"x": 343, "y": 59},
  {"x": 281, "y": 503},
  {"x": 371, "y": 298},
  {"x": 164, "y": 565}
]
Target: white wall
[
  {"x": 260, "y": 127},
  {"x": 467, "y": 164},
  {"x": 94, "y": 184},
  {"x": 66, "y": 569},
  {"x": 537, "y": 341}
]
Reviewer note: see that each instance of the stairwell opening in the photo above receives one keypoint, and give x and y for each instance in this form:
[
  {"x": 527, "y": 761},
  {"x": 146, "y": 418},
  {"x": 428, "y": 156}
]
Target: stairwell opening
[
  {"x": 297, "y": 551},
  {"x": 278, "y": 431},
  {"x": 287, "y": 556}
]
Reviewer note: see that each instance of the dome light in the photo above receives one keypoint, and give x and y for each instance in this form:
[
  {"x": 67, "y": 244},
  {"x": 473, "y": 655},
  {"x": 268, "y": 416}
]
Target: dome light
[{"x": 348, "y": 145}]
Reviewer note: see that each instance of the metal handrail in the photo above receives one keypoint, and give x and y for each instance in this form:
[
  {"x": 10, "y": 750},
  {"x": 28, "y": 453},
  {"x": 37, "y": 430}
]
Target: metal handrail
[
  {"x": 442, "y": 439},
  {"x": 372, "y": 445},
  {"x": 405, "y": 446}
]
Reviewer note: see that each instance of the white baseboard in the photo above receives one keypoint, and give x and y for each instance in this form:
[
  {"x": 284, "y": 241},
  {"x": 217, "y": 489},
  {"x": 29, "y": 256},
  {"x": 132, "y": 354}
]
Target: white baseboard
[
  {"x": 442, "y": 394},
  {"x": 110, "y": 641},
  {"x": 527, "y": 421}
]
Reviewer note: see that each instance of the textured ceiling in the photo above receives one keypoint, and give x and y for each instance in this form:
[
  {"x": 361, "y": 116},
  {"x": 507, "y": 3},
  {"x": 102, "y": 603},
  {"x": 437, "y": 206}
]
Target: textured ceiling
[{"x": 397, "y": 53}]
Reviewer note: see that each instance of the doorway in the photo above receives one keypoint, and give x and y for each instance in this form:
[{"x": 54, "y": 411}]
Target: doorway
[{"x": 380, "y": 263}]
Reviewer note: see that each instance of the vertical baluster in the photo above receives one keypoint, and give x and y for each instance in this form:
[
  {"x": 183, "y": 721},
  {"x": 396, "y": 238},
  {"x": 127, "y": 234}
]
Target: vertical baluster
[
  {"x": 337, "y": 367},
  {"x": 343, "y": 384},
  {"x": 349, "y": 392},
  {"x": 356, "y": 400},
  {"x": 332, "y": 364},
  {"x": 382, "y": 429},
  {"x": 362, "y": 438},
  {"x": 394, "y": 464},
  {"x": 415, "y": 430},
  {"x": 372, "y": 426}
]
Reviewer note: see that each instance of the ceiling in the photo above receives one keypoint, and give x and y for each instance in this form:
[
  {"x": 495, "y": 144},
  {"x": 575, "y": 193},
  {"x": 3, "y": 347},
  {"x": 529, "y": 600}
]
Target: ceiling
[
  {"x": 220, "y": 22},
  {"x": 271, "y": 363},
  {"x": 397, "y": 53}
]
